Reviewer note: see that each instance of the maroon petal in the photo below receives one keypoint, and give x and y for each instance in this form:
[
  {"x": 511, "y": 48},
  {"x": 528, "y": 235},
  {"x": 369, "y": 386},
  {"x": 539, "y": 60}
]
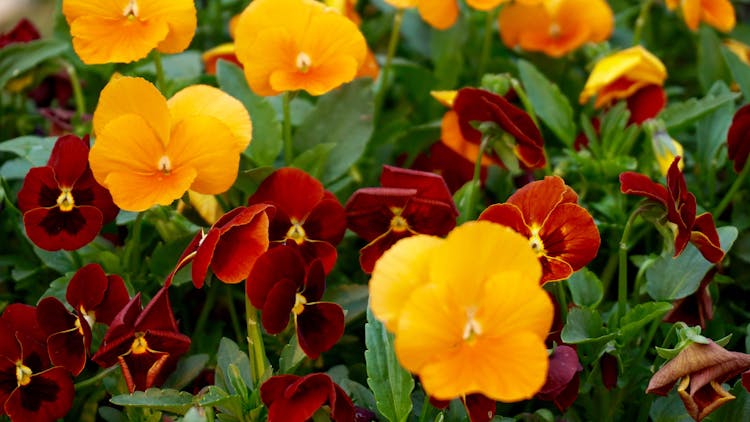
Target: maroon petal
[
  {"x": 53, "y": 229},
  {"x": 278, "y": 305},
  {"x": 114, "y": 300},
  {"x": 563, "y": 369},
  {"x": 450, "y": 165},
  {"x": 428, "y": 185},
  {"x": 632, "y": 183},
  {"x": 291, "y": 190},
  {"x": 342, "y": 408},
  {"x": 646, "y": 103},
  {"x": 319, "y": 327},
  {"x": 429, "y": 217},
  {"x": 144, "y": 370},
  {"x": 705, "y": 237},
  {"x": 315, "y": 282},
  {"x": 369, "y": 211},
  {"x": 610, "y": 370},
  {"x": 69, "y": 349},
  {"x": 274, "y": 388},
  {"x": 327, "y": 222},
  {"x": 317, "y": 250},
  {"x": 370, "y": 254},
  {"x": 300, "y": 400},
  {"x": 87, "y": 191},
  {"x": 48, "y": 397},
  {"x": 69, "y": 159},
  {"x": 479, "y": 407},
  {"x": 738, "y": 140},
  {"x": 280, "y": 263},
  {"x": 24, "y": 31},
  {"x": 157, "y": 315},
  {"x": 39, "y": 189},
  {"x": 21, "y": 319},
  {"x": 120, "y": 335},
  {"x": 87, "y": 287},
  {"x": 53, "y": 317}
]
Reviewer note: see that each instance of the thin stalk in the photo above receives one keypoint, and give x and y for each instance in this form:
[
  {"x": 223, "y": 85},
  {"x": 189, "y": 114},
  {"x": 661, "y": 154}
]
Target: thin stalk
[
  {"x": 208, "y": 305},
  {"x": 622, "y": 278},
  {"x": 234, "y": 319},
  {"x": 161, "y": 81},
  {"x": 471, "y": 201},
  {"x": 649, "y": 338},
  {"x": 75, "y": 82},
  {"x": 256, "y": 348},
  {"x": 640, "y": 22},
  {"x": 524, "y": 100},
  {"x": 286, "y": 104},
  {"x": 484, "y": 55},
  {"x": 385, "y": 72},
  {"x": 131, "y": 255},
  {"x": 732, "y": 191},
  {"x": 95, "y": 379},
  {"x": 562, "y": 299},
  {"x": 425, "y": 407}
]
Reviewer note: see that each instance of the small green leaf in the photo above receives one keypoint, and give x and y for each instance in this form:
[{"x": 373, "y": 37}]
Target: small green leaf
[
  {"x": 669, "y": 409},
  {"x": 15, "y": 59},
  {"x": 549, "y": 103},
  {"x": 390, "y": 383},
  {"x": 291, "y": 356},
  {"x": 187, "y": 370},
  {"x": 584, "y": 326},
  {"x": 678, "y": 116},
  {"x": 671, "y": 278},
  {"x": 352, "y": 297},
  {"x": 740, "y": 71},
  {"x": 637, "y": 318},
  {"x": 230, "y": 354},
  {"x": 167, "y": 400},
  {"x": 266, "y": 143},
  {"x": 586, "y": 288},
  {"x": 34, "y": 150}
]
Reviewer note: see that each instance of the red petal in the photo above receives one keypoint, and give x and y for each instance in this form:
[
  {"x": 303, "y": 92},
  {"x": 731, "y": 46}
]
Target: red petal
[
  {"x": 632, "y": 183},
  {"x": 450, "y": 165},
  {"x": 39, "y": 189},
  {"x": 563, "y": 367},
  {"x": 319, "y": 327},
  {"x": 273, "y": 389},
  {"x": 24, "y": 31},
  {"x": 52, "y": 229},
  {"x": 48, "y": 397},
  {"x": 570, "y": 234},
  {"x": 479, "y": 407},
  {"x": 87, "y": 287},
  {"x": 68, "y": 349},
  {"x": 537, "y": 199},
  {"x": 291, "y": 190},
  {"x": 508, "y": 215},
  {"x": 278, "y": 305},
  {"x": 315, "y": 282},
  {"x": 120, "y": 334},
  {"x": 327, "y": 222},
  {"x": 283, "y": 262},
  {"x": 240, "y": 245},
  {"x": 53, "y": 317},
  {"x": 115, "y": 299},
  {"x": 301, "y": 399},
  {"x": 317, "y": 250},
  {"x": 88, "y": 192},
  {"x": 143, "y": 371},
  {"x": 429, "y": 217},
  {"x": 370, "y": 254},
  {"x": 428, "y": 185},
  {"x": 705, "y": 237},
  {"x": 157, "y": 315},
  {"x": 369, "y": 210},
  {"x": 646, "y": 103},
  {"x": 22, "y": 321},
  {"x": 738, "y": 144},
  {"x": 69, "y": 159}
]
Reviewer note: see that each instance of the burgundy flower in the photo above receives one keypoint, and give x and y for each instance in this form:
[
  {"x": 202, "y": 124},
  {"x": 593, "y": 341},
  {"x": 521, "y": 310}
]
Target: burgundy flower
[
  {"x": 95, "y": 297},
  {"x": 24, "y": 31},
  {"x": 307, "y": 215},
  {"x": 646, "y": 103},
  {"x": 63, "y": 206},
  {"x": 738, "y": 138},
  {"x": 280, "y": 284},
  {"x": 563, "y": 378},
  {"x": 230, "y": 247},
  {"x": 452, "y": 166},
  {"x": 680, "y": 207},
  {"x": 291, "y": 398},
  {"x": 30, "y": 390},
  {"x": 146, "y": 343},
  {"x": 408, "y": 202}
]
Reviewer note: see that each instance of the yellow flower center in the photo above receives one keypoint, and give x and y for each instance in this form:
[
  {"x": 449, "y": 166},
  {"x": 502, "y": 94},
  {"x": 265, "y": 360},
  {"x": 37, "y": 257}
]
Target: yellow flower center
[
  {"x": 65, "y": 200},
  {"x": 398, "y": 223},
  {"x": 473, "y": 328},
  {"x": 23, "y": 374},
  {"x": 165, "y": 165},
  {"x": 536, "y": 241},
  {"x": 131, "y": 10},
  {"x": 89, "y": 316},
  {"x": 296, "y": 233},
  {"x": 303, "y": 62},
  {"x": 299, "y": 304},
  {"x": 139, "y": 345},
  {"x": 79, "y": 326}
]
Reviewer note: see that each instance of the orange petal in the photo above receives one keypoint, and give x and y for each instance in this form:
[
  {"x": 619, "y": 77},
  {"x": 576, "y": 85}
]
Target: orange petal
[
  {"x": 99, "y": 40},
  {"x": 74, "y": 9},
  {"x": 691, "y": 13},
  {"x": 485, "y": 4},
  {"x": 402, "y": 4},
  {"x": 204, "y": 100},
  {"x": 126, "y": 95},
  {"x": 719, "y": 14},
  {"x": 450, "y": 134},
  {"x": 139, "y": 192},
  {"x": 180, "y": 16},
  {"x": 440, "y": 14}
]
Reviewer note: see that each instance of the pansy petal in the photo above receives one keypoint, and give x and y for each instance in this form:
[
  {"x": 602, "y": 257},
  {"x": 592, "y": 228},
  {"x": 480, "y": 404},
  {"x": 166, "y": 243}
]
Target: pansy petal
[
  {"x": 48, "y": 397},
  {"x": 69, "y": 159},
  {"x": 240, "y": 246},
  {"x": 67, "y": 349},
  {"x": 87, "y": 287},
  {"x": 439, "y": 14},
  {"x": 632, "y": 183},
  {"x": 326, "y": 221},
  {"x": 40, "y": 189},
  {"x": 180, "y": 17},
  {"x": 53, "y": 229},
  {"x": 738, "y": 146},
  {"x": 508, "y": 215},
  {"x": 99, "y": 40},
  {"x": 369, "y": 210},
  {"x": 429, "y": 186},
  {"x": 319, "y": 327},
  {"x": 291, "y": 190},
  {"x": 300, "y": 400},
  {"x": 371, "y": 253},
  {"x": 157, "y": 315},
  {"x": 705, "y": 237},
  {"x": 570, "y": 234},
  {"x": 278, "y": 306},
  {"x": 137, "y": 192},
  {"x": 277, "y": 264}
]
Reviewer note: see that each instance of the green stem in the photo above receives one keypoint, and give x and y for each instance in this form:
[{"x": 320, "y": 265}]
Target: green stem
[
  {"x": 287, "y": 126},
  {"x": 426, "y": 408},
  {"x": 562, "y": 299},
  {"x": 256, "y": 348},
  {"x": 75, "y": 82},
  {"x": 649, "y": 338},
  {"x": 233, "y": 317},
  {"x": 524, "y": 100},
  {"x": 131, "y": 255},
  {"x": 161, "y": 81},
  {"x": 484, "y": 55},
  {"x": 386, "y": 70},
  {"x": 732, "y": 191},
  {"x": 622, "y": 278},
  {"x": 95, "y": 379},
  {"x": 208, "y": 305},
  {"x": 641, "y": 21},
  {"x": 471, "y": 200}
]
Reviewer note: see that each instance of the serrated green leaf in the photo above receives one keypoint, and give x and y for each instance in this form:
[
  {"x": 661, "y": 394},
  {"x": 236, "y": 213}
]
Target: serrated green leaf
[
  {"x": 637, "y": 318},
  {"x": 15, "y": 59},
  {"x": 214, "y": 396},
  {"x": 266, "y": 144},
  {"x": 584, "y": 326},
  {"x": 586, "y": 288},
  {"x": 342, "y": 117},
  {"x": 671, "y": 278},
  {"x": 549, "y": 103},
  {"x": 740, "y": 71},
  {"x": 681, "y": 115},
  {"x": 389, "y": 382},
  {"x": 167, "y": 400}
]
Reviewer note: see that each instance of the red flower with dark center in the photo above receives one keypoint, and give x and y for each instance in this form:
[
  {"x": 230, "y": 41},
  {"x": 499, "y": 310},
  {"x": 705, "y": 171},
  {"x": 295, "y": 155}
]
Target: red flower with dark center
[
  {"x": 63, "y": 206},
  {"x": 679, "y": 206},
  {"x": 30, "y": 390},
  {"x": 280, "y": 284},
  {"x": 563, "y": 378},
  {"x": 24, "y": 31},
  {"x": 146, "y": 343},
  {"x": 562, "y": 233},
  {"x": 291, "y": 398},
  {"x": 408, "y": 202},
  {"x": 307, "y": 215},
  {"x": 738, "y": 138},
  {"x": 476, "y": 106},
  {"x": 230, "y": 247},
  {"x": 95, "y": 297}
]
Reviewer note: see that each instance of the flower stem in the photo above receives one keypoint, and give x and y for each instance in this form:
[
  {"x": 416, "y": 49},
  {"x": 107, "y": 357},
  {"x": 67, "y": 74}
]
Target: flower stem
[
  {"x": 234, "y": 319},
  {"x": 131, "y": 256},
  {"x": 286, "y": 105},
  {"x": 732, "y": 191},
  {"x": 95, "y": 379},
  {"x": 207, "y": 307},
  {"x": 562, "y": 299},
  {"x": 471, "y": 201},
  {"x": 256, "y": 348},
  {"x": 386, "y": 70},
  {"x": 484, "y": 55},
  {"x": 161, "y": 81},
  {"x": 80, "y": 101},
  {"x": 640, "y": 22},
  {"x": 622, "y": 279}
]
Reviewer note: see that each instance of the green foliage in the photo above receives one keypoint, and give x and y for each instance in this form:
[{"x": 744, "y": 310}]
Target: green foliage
[{"x": 16, "y": 59}]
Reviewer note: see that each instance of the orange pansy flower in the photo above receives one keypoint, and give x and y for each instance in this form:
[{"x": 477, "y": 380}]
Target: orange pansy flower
[
  {"x": 289, "y": 45},
  {"x": 716, "y": 13},
  {"x": 453, "y": 306},
  {"x": 370, "y": 67},
  {"x": 440, "y": 14},
  {"x": 555, "y": 28},
  {"x": 122, "y": 31},
  {"x": 151, "y": 151}
]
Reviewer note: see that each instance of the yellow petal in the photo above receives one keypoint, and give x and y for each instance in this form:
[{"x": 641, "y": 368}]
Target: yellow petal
[
  {"x": 445, "y": 98},
  {"x": 126, "y": 95},
  {"x": 179, "y": 15},
  {"x": 402, "y": 4},
  {"x": 486, "y": 4},
  {"x": 440, "y": 14},
  {"x": 400, "y": 270},
  {"x": 691, "y": 13},
  {"x": 207, "y": 206},
  {"x": 208, "y": 146},
  {"x": 204, "y": 100},
  {"x": 99, "y": 40}
]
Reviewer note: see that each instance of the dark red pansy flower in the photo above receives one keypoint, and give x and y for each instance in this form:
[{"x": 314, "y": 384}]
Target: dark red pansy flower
[
  {"x": 479, "y": 407},
  {"x": 24, "y": 31},
  {"x": 646, "y": 103},
  {"x": 63, "y": 206},
  {"x": 307, "y": 215},
  {"x": 230, "y": 247},
  {"x": 680, "y": 207},
  {"x": 476, "y": 106},
  {"x": 408, "y": 202},
  {"x": 282, "y": 283},
  {"x": 30, "y": 390},
  {"x": 452, "y": 166},
  {"x": 561, "y": 232},
  {"x": 563, "y": 378},
  {"x": 146, "y": 343},
  {"x": 95, "y": 297},
  {"x": 291, "y": 398},
  {"x": 738, "y": 138}
]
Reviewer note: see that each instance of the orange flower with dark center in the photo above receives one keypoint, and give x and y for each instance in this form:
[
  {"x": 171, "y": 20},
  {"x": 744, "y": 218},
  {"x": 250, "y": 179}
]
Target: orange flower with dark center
[
  {"x": 716, "y": 13},
  {"x": 289, "y": 45},
  {"x": 562, "y": 233}
]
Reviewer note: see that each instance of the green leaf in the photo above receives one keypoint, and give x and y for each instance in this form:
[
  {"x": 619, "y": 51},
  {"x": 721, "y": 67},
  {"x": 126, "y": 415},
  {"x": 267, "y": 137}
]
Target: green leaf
[
  {"x": 737, "y": 409},
  {"x": 586, "y": 288},
  {"x": 712, "y": 132},
  {"x": 15, "y": 59},
  {"x": 35, "y": 150},
  {"x": 670, "y": 278},
  {"x": 213, "y": 396},
  {"x": 711, "y": 65},
  {"x": 230, "y": 354},
  {"x": 291, "y": 356},
  {"x": 390, "y": 383},
  {"x": 740, "y": 71},
  {"x": 584, "y": 326},
  {"x": 314, "y": 160},
  {"x": 549, "y": 103},
  {"x": 669, "y": 409},
  {"x": 352, "y": 297},
  {"x": 637, "y": 318},
  {"x": 342, "y": 117},
  {"x": 167, "y": 400},
  {"x": 187, "y": 370},
  {"x": 678, "y": 116},
  {"x": 266, "y": 143}
]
